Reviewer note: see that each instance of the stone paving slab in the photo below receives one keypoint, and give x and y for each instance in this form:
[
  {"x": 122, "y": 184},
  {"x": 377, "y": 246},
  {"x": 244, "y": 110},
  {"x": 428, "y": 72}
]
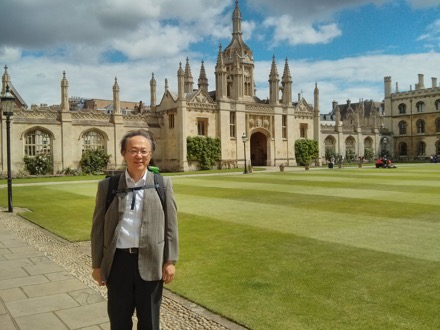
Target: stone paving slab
[{"x": 84, "y": 316}]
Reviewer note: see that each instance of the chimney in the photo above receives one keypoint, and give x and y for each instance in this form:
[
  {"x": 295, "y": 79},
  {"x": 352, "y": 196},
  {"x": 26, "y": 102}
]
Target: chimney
[
  {"x": 434, "y": 82},
  {"x": 421, "y": 84}
]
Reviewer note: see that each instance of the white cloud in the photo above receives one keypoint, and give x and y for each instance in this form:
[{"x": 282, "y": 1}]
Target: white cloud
[
  {"x": 285, "y": 29},
  {"x": 432, "y": 37}
]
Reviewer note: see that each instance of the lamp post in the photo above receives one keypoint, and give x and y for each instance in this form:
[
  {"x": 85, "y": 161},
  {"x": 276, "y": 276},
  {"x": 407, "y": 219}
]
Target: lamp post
[
  {"x": 8, "y": 110},
  {"x": 244, "y": 138}
]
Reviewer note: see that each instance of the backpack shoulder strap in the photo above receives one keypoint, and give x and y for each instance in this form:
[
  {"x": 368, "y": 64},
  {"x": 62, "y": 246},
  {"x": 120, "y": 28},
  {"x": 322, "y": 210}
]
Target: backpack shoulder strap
[
  {"x": 160, "y": 188},
  {"x": 111, "y": 192}
]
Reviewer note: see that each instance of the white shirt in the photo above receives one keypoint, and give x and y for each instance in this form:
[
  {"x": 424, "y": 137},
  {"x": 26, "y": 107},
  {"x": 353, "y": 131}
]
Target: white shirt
[{"x": 132, "y": 218}]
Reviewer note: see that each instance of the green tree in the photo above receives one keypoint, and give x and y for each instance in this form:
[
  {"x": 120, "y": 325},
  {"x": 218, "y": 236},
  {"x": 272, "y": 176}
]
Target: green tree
[
  {"x": 203, "y": 149},
  {"x": 306, "y": 151},
  {"x": 94, "y": 161}
]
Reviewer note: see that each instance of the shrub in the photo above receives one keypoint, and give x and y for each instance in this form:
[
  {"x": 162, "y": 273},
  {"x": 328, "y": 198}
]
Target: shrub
[
  {"x": 369, "y": 154},
  {"x": 94, "y": 161},
  {"x": 350, "y": 156},
  {"x": 205, "y": 150},
  {"x": 38, "y": 165},
  {"x": 306, "y": 151}
]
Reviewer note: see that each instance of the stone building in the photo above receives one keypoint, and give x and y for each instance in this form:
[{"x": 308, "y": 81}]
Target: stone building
[
  {"x": 351, "y": 129},
  {"x": 412, "y": 119},
  {"x": 271, "y": 126}
]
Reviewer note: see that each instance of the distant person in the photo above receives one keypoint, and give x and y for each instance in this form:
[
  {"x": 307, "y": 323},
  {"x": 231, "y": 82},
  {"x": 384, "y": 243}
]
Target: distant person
[{"x": 135, "y": 243}]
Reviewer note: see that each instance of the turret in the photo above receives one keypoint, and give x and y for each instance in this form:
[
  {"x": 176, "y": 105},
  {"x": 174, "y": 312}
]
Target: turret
[{"x": 220, "y": 76}]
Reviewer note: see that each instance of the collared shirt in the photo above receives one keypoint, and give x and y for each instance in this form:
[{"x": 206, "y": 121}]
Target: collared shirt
[{"x": 132, "y": 215}]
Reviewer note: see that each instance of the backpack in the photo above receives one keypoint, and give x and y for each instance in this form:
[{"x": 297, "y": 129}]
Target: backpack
[{"x": 158, "y": 185}]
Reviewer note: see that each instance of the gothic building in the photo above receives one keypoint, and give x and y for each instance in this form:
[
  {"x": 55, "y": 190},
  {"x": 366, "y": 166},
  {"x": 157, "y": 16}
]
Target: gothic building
[
  {"x": 351, "y": 129},
  {"x": 271, "y": 126}
]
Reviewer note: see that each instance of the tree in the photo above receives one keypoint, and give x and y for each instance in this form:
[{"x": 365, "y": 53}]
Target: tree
[{"x": 306, "y": 151}]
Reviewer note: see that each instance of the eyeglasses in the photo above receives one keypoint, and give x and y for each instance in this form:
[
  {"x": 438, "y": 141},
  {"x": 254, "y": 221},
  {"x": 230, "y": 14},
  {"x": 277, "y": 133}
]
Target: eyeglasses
[{"x": 143, "y": 153}]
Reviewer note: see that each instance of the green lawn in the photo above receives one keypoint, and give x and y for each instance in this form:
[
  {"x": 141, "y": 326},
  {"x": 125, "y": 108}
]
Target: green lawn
[{"x": 321, "y": 249}]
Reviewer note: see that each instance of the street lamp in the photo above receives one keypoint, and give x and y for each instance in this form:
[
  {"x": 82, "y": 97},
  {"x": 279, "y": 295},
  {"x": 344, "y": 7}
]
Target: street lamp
[
  {"x": 244, "y": 138},
  {"x": 8, "y": 110}
]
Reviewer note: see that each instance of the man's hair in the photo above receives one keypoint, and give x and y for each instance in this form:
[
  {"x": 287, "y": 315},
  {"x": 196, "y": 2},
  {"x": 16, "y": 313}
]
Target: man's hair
[{"x": 139, "y": 132}]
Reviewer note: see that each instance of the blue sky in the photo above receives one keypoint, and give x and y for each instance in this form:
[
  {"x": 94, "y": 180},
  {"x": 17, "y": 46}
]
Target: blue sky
[{"x": 346, "y": 46}]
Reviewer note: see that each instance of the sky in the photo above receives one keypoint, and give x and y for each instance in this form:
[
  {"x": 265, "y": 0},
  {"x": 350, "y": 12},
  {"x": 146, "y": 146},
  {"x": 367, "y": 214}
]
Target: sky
[{"x": 347, "y": 47}]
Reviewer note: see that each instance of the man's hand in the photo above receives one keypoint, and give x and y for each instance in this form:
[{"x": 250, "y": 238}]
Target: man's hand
[
  {"x": 96, "y": 274},
  {"x": 168, "y": 272}
]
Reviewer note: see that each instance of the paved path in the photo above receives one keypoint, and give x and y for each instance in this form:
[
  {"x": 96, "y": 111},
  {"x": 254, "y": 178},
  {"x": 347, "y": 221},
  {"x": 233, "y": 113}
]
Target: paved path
[{"x": 45, "y": 284}]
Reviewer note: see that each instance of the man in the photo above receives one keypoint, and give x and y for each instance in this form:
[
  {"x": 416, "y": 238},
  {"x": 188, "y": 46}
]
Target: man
[{"x": 134, "y": 243}]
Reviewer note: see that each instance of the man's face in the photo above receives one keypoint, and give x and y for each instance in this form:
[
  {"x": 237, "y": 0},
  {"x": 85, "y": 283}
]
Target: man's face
[{"x": 137, "y": 154}]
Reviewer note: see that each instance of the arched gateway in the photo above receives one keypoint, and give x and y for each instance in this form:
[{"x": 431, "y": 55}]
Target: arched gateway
[{"x": 259, "y": 146}]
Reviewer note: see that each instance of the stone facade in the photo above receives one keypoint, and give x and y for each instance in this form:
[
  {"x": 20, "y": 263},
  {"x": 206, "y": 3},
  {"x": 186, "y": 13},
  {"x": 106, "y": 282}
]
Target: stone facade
[{"x": 413, "y": 120}]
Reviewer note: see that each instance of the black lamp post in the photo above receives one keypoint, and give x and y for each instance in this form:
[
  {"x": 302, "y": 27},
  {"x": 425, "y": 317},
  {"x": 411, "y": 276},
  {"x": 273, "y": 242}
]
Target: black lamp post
[
  {"x": 8, "y": 110},
  {"x": 244, "y": 138}
]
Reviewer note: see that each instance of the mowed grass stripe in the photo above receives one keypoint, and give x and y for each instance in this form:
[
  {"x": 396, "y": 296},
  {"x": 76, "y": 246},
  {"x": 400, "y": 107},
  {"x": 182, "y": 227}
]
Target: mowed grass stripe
[
  {"x": 429, "y": 184},
  {"x": 413, "y": 238},
  {"x": 350, "y": 201}
]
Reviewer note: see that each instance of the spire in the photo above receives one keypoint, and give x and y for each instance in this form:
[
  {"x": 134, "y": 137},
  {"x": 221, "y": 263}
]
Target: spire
[
  {"x": 236, "y": 20},
  {"x": 287, "y": 85},
  {"x": 274, "y": 80},
  {"x": 188, "y": 78},
  {"x": 180, "y": 81},
  {"x": 287, "y": 77},
  {"x": 273, "y": 70},
  {"x": 5, "y": 80},
  {"x": 203, "y": 80},
  {"x": 220, "y": 61},
  {"x": 116, "y": 101},
  {"x": 316, "y": 98},
  {"x": 152, "y": 92},
  {"x": 65, "y": 106}
]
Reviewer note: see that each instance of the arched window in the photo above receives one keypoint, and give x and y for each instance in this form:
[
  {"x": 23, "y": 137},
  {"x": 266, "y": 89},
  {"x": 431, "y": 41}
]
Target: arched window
[
  {"x": 402, "y": 127},
  {"x": 420, "y": 126},
  {"x": 402, "y": 108},
  {"x": 421, "y": 149},
  {"x": 92, "y": 140},
  {"x": 403, "y": 149},
  {"x": 437, "y": 105},
  {"x": 420, "y": 106},
  {"x": 330, "y": 150},
  {"x": 350, "y": 145},
  {"x": 37, "y": 142},
  {"x": 437, "y": 148},
  {"x": 368, "y": 143}
]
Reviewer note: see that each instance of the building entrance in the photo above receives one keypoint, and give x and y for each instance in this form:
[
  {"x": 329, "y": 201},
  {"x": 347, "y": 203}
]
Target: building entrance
[{"x": 258, "y": 149}]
